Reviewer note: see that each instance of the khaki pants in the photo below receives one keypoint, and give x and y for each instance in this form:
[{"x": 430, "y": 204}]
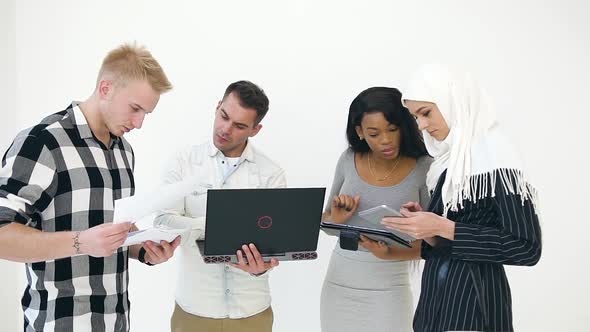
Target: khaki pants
[{"x": 185, "y": 322}]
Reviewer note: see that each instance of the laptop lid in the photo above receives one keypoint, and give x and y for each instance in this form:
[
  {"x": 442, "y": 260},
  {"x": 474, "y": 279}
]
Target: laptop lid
[{"x": 283, "y": 223}]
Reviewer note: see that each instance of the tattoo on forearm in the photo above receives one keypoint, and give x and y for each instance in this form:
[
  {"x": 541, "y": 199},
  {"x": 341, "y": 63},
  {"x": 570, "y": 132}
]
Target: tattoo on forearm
[{"x": 76, "y": 244}]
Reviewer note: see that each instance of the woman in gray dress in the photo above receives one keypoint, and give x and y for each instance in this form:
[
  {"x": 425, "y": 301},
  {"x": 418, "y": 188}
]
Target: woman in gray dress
[{"x": 386, "y": 163}]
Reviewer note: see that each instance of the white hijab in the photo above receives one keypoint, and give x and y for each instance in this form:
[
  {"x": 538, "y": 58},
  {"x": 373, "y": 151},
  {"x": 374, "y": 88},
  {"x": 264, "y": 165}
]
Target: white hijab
[{"x": 476, "y": 151}]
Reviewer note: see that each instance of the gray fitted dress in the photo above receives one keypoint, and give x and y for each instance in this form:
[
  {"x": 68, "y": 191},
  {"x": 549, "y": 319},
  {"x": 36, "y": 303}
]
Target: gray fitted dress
[{"x": 362, "y": 292}]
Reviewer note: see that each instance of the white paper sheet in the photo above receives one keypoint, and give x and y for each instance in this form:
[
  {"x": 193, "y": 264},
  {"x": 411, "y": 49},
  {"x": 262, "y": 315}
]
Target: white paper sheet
[
  {"x": 154, "y": 234},
  {"x": 141, "y": 205}
]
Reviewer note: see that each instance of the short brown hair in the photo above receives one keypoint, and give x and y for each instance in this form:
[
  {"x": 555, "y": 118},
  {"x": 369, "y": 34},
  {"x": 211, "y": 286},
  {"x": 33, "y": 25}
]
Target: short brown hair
[
  {"x": 132, "y": 62},
  {"x": 249, "y": 96}
]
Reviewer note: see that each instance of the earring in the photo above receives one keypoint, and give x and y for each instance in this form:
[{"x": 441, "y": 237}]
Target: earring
[{"x": 361, "y": 137}]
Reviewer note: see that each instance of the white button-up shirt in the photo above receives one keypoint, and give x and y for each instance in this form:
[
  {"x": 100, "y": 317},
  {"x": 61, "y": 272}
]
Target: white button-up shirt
[{"x": 216, "y": 290}]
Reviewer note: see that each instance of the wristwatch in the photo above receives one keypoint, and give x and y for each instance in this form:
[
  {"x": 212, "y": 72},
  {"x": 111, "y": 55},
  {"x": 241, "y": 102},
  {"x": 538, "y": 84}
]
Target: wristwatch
[{"x": 141, "y": 256}]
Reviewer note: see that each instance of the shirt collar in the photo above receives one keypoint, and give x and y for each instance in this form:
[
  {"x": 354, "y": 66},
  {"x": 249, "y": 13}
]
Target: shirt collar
[
  {"x": 79, "y": 121},
  {"x": 247, "y": 154}
]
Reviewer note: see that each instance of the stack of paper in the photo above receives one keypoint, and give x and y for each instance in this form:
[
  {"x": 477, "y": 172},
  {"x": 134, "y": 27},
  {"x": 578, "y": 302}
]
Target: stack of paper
[{"x": 155, "y": 234}]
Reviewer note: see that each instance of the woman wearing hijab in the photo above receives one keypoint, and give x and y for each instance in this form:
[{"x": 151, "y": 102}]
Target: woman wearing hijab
[{"x": 483, "y": 210}]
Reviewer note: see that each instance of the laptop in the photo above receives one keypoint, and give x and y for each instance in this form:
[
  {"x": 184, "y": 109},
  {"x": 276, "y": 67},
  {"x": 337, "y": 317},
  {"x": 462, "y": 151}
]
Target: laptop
[{"x": 283, "y": 223}]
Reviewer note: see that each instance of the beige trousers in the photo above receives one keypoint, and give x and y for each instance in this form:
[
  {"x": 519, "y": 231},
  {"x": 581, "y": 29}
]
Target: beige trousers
[{"x": 185, "y": 322}]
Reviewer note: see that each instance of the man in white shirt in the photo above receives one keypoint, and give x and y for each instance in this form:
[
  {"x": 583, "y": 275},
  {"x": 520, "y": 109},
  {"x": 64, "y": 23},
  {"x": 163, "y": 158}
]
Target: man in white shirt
[{"x": 223, "y": 297}]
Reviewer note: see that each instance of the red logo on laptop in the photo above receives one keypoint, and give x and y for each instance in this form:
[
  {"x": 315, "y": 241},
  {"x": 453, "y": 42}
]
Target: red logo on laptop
[{"x": 264, "y": 222}]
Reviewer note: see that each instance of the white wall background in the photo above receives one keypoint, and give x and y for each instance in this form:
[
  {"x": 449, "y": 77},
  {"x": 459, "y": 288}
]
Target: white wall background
[
  {"x": 10, "y": 273},
  {"x": 312, "y": 58}
]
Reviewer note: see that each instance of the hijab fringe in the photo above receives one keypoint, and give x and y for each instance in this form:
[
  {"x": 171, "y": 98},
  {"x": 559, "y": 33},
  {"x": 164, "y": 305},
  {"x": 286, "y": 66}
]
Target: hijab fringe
[{"x": 480, "y": 186}]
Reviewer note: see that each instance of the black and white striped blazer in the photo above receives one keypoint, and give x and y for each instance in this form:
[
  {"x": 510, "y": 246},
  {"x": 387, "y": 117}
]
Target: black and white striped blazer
[{"x": 464, "y": 285}]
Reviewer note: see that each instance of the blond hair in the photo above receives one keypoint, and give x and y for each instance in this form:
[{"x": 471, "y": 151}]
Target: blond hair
[{"x": 131, "y": 62}]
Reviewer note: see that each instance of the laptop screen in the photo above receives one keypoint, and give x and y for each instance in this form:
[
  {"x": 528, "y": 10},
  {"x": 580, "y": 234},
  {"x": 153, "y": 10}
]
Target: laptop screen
[{"x": 277, "y": 221}]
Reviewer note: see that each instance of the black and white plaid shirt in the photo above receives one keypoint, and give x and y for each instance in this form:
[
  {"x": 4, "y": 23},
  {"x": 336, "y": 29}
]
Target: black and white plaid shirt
[{"x": 57, "y": 176}]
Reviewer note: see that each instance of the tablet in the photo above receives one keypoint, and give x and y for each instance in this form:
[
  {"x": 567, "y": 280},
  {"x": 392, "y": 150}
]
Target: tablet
[{"x": 375, "y": 214}]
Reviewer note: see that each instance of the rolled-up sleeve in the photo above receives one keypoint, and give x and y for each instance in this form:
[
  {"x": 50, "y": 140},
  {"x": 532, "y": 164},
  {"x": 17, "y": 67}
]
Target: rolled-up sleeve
[{"x": 28, "y": 180}]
